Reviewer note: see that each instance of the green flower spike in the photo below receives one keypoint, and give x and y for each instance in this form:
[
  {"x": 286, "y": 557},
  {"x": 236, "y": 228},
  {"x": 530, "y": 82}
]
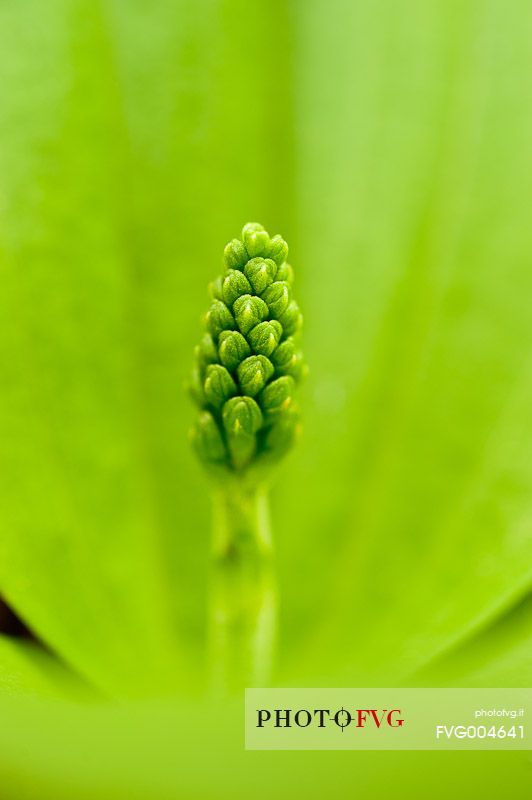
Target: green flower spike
[
  {"x": 246, "y": 371},
  {"x": 248, "y": 350}
]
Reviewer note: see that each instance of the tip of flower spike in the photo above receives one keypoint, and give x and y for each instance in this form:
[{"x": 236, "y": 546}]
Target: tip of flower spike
[
  {"x": 255, "y": 240},
  {"x": 252, "y": 227},
  {"x": 247, "y": 363}
]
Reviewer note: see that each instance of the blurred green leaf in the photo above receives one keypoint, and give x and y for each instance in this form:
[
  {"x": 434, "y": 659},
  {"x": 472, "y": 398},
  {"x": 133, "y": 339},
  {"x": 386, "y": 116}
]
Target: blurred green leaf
[
  {"x": 414, "y": 128},
  {"x": 26, "y": 669},
  {"x": 498, "y": 655}
]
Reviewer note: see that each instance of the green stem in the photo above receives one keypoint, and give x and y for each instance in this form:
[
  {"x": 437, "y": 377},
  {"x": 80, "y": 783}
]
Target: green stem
[{"x": 243, "y": 605}]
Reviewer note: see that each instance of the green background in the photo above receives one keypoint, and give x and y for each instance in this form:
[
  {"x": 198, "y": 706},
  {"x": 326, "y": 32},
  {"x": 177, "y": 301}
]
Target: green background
[{"x": 389, "y": 142}]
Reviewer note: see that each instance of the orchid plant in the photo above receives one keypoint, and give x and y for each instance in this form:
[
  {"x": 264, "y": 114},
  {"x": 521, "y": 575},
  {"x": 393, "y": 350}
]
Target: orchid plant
[{"x": 390, "y": 142}]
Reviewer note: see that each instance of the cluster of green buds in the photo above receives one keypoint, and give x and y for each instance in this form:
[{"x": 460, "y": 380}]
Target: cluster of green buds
[{"x": 248, "y": 363}]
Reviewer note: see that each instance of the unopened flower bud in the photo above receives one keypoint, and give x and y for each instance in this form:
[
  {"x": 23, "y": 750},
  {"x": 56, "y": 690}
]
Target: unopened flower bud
[
  {"x": 249, "y": 311},
  {"x": 288, "y": 360},
  {"x": 277, "y": 396},
  {"x": 235, "y": 284},
  {"x": 256, "y": 239},
  {"x": 206, "y": 352},
  {"x": 252, "y": 227},
  {"x": 253, "y": 374},
  {"x": 233, "y": 349},
  {"x": 297, "y": 367},
  {"x": 218, "y": 385},
  {"x": 242, "y": 418},
  {"x": 285, "y": 273},
  {"x": 208, "y": 440},
  {"x": 282, "y": 434},
  {"x": 215, "y": 288},
  {"x": 260, "y": 272},
  {"x": 284, "y": 353},
  {"x": 241, "y": 414},
  {"x": 219, "y": 318},
  {"x": 291, "y": 319},
  {"x": 277, "y": 297},
  {"x": 278, "y": 249},
  {"x": 235, "y": 255},
  {"x": 195, "y": 386},
  {"x": 265, "y": 337}
]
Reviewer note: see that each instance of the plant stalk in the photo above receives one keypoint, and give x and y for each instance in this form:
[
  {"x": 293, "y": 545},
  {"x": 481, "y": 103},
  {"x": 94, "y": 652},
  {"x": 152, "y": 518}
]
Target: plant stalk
[{"x": 243, "y": 602}]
